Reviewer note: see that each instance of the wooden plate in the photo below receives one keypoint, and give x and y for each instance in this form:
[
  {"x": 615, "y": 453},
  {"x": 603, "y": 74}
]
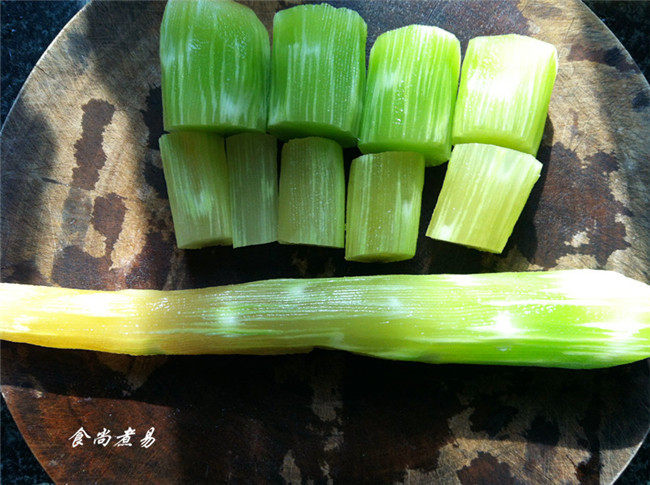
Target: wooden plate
[{"x": 84, "y": 205}]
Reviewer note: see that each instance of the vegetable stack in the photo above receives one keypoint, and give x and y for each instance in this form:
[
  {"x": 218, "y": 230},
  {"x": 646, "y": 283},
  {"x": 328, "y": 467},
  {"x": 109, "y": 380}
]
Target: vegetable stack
[
  {"x": 215, "y": 60},
  {"x": 215, "y": 63},
  {"x": 503, "y": 99}
]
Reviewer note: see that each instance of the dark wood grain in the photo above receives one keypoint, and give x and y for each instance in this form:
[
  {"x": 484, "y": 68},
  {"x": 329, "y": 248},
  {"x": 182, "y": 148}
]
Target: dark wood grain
[{"x": 84, "y": 205}]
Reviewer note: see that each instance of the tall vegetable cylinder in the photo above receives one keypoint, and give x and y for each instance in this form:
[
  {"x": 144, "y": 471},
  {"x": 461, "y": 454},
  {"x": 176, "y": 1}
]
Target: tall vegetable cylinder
[
  {"x": 318, "y": 73},
  {"x": 253, "y": 171},
  {"x": 312, "y": 193},
  {"x": 383, "y": 211},
  {"x": 196, "y": 173},
  {"x": 505, "y": 90},
  {"x": 215, "y": 63},
  {"x": 411, "y": 91}
]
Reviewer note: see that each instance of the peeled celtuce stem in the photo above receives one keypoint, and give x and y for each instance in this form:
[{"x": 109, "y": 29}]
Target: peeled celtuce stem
[
  {"x": 411, "y": 90},
  {"x": 253, "y": 171},
  {"x": 312, "y": 193},
  {"x": 505, "y": 90},
  {"x": 215, "y": 66},
  {"x": 485, "y": 190},
  {"x": 383, "y": 210},
  {"x": 318, "y": 73},
  {"x": 575, "y": 319},
  {"x": 196, "y": 174}
]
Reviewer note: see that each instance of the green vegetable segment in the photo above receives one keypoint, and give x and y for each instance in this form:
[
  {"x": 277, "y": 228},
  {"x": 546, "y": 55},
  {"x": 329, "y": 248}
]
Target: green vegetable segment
[
  {"x": 318, "y": 73},
  {"x": 253, "y": 170},
  {"x": 411, "y": 92},
  {"x": 577, "y": 319},
  {"x": 312, "y": 193},
  {"x": 383, "y": 211},
  {"x": 215, "y": 65},
  {"x": 504, "y": 92},
  {"x": 196, "y": 173},
  {"x": 483, "y": 193}
]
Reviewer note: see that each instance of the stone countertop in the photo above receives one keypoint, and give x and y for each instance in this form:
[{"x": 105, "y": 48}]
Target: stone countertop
[{"x": 28, "y": 27}]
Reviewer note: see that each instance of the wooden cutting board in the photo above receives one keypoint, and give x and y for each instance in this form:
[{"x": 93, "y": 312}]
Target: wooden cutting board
[{"x": 84, "y": 205}]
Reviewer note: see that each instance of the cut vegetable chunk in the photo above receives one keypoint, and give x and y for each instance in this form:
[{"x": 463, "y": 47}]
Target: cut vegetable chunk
[
  {"x": 577, "y": 319},
  {"x": 484, "y": 191},
  {"x": 318, "y": 73},
  {"x": 504, "y": 93},
  {"x": 312, "y": 193},
  {"x": 196, "y": 173},
  {"x": 411, "y": 92},
  {"x": 253, "y": 170},
  {"x": 383, "y": 211},
  {"x": 215, "y": 65}
]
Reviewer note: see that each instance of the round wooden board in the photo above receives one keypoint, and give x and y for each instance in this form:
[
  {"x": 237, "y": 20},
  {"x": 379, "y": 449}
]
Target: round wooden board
[{"x": 84, "y": 205}]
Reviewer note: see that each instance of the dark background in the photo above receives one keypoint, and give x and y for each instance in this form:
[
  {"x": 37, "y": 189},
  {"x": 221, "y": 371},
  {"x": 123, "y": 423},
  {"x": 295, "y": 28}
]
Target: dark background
[{"x": 28, "y": 27}]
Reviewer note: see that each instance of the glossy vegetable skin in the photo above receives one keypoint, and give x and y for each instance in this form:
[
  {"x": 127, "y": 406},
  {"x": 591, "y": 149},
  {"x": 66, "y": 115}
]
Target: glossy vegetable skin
[{"x": 575, "y": 319}]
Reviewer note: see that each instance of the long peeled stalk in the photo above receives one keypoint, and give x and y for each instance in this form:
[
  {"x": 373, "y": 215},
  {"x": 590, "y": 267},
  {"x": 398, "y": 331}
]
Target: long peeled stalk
[{"x": 576, "y": 319}]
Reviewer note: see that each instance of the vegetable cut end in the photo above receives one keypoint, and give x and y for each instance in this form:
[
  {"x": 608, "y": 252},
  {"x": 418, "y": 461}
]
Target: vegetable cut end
[
  {"x": 289, "y": 130},
  {"x": 504, "y": 92},
  {"x": 410, "y": 93},
  {"x": 380, "y": 257},
  {"x": 482, "y": 196},
  {"x": 215, "y": 67},
  {"x": 312, "y": 193},
  {"x": 196, "y": 174},
  {"x": 224, "y": 129},
  {"x": 318, "y": 73},
  {"x": 434, "y": 154},
  {"x": 383, "y": 211},
  {"x": 253, "y": 174},
  {"x": 575, "y": 319}
]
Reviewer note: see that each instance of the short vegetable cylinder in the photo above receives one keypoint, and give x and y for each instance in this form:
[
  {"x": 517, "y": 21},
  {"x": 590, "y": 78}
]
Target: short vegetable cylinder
[
  {"x": 383, "y": 207},
  {"x": 505, "y": 90},
  {"x": 215, "y": 66},
  {"x": 196, "y": 173},
  {"x": 411, "y": 91},
  {"x": 253, "y": 174},
  {"x": 482, "y": 196},
  {"x": 318, "y": 73},
  {"x": 312, "y": 193}
]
